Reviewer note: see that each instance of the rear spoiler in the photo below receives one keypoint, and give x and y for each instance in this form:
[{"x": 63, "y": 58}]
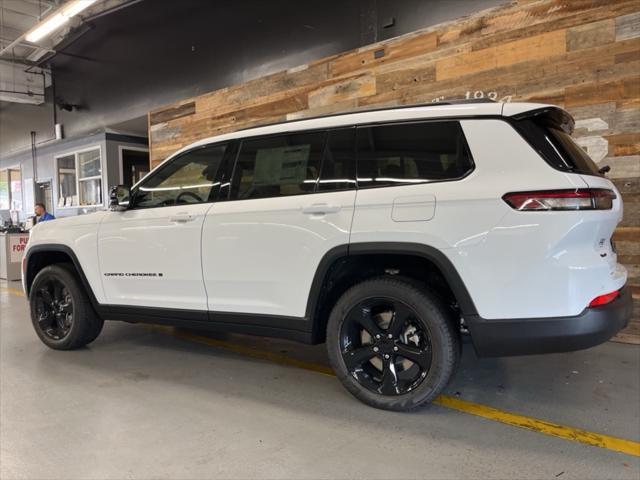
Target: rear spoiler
[{"x": 550, "y": 116}]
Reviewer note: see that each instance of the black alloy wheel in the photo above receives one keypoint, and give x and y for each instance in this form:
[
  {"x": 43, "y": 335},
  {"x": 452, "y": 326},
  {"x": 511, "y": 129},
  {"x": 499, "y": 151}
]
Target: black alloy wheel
[
  {"x": 54, "y": 309},
  {"x": 61, "y": 312},
  {"x": 393, "y": 343},
  {"x": 385, "y": 346}
]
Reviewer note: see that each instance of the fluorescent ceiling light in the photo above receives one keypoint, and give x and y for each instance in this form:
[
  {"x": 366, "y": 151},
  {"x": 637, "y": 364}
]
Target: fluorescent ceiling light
[{"x": 56, "y": 20}]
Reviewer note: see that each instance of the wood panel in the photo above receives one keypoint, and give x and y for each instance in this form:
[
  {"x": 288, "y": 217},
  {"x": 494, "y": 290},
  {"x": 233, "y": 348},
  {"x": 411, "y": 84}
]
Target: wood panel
[{"x": 581, "y": 54}]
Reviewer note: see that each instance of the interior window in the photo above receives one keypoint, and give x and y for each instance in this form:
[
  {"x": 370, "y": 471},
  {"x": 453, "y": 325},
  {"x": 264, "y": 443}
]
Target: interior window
[
  {"x": 411, "y": 153},
  {"x": 67, "y": 182},
  {"x": 278, "y": 166},
  {"x": 189, "y": 178},
  {"x": 338, "y": 164}
]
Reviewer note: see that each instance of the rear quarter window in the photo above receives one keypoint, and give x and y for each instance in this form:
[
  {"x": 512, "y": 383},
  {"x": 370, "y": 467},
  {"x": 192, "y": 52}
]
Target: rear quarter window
[
  {"x": 556, "y": 146},
  {"x": 411, "y": 153}
]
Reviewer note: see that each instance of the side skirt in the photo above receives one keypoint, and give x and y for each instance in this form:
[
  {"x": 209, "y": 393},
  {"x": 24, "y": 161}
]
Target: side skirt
[{"x": 289, "y": 328}]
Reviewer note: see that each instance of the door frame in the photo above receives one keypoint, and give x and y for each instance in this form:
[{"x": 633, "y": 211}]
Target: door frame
[{"x": 120, "y": 166}]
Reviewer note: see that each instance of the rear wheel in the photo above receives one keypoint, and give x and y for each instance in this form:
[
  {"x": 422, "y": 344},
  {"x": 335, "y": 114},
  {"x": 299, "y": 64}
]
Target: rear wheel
[
  {"x": 61, "y": 312},
  {"x": 392, "y": 345}
]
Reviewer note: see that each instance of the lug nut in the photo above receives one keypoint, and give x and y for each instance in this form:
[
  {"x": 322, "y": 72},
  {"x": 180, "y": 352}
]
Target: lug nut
[
  {"x": 375, "y": 349},
  {"x": 395, "y": 349},
  {"x": 389, "y": 336},
  {"x": 378, "y": 336},
  {"x": 386, "y": 355}
]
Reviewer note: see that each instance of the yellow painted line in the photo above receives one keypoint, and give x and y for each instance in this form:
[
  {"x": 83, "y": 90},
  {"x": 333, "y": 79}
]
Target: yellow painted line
[
  {"x": 516, "y": 420},
  {"x": 12, "y": 291},
  {"x": 542, "y": 426}
]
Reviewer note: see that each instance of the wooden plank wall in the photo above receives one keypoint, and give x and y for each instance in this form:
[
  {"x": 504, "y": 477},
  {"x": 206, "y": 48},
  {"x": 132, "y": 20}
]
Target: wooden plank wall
[{"x": 583, "y": 55}]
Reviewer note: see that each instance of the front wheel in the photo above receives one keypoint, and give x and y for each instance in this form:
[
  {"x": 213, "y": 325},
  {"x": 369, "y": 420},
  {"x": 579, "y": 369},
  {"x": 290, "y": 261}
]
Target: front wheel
[
  {"x": 392, "y": 345},
  {"x": 61, "y": 312}
]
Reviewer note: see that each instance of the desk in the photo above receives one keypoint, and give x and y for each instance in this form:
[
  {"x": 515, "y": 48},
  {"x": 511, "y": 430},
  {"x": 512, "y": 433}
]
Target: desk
[{"x": 12, "y": 247}]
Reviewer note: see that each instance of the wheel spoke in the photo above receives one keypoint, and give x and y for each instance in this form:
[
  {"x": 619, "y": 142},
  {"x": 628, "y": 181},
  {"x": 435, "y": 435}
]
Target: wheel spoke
[
  {"x": 44, "y": 320},
  {"x": 46, "y": 295},
  {"x": 401, "y": 313},
  {"x": 356, "y": 357},
  {"x": 389, "y": 382},
  {"x": 66, "y": 307},
  {"x": 362, "y": 315},
  {"x": 58, "y": 295},
  {"x": 418, "y": 356}
]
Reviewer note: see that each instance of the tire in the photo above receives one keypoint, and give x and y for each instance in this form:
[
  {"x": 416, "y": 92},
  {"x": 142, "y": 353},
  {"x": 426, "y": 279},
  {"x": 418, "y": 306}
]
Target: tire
[
  {"x": 434, "y": 344},
  {"x": 61, "y": 312}
]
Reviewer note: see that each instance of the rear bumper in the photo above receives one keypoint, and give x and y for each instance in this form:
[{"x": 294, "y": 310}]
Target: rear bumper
[{"x": 526, "y": 336}]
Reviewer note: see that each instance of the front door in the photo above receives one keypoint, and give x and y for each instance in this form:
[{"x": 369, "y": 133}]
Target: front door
[
  {"x": 150, "y": 253},
  {"x": 291, "y": 200}
]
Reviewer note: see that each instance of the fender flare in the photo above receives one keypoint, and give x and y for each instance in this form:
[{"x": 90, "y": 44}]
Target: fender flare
[
  {"x": 55, "y": 247},
  {"x": 439, "y": 259}
]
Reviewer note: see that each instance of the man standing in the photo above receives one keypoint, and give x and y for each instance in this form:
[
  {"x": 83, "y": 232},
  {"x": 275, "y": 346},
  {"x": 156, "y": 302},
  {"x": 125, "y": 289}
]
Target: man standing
[{"x": 42, "y": 214}]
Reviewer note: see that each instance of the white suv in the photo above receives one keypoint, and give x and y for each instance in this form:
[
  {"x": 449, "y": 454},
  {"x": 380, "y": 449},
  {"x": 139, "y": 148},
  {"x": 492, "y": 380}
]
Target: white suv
[{"x": 387, "y": 233}]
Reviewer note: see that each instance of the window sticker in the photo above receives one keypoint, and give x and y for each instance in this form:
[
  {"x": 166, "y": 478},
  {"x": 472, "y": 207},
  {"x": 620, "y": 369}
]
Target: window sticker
[{"x": 281, "y": 165}]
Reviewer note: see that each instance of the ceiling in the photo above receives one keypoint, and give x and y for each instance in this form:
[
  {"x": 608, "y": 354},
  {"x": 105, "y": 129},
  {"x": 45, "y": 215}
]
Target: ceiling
[
  {"x": 16, "y": 18},
  {"x": 22, "y": 78}
]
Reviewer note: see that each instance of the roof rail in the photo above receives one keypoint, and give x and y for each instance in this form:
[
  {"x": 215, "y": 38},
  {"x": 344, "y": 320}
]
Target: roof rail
[{"x": 461, "y": 101}]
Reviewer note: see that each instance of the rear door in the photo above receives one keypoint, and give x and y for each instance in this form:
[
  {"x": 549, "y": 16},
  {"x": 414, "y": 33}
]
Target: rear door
[
  {"x": 150, "y": 254},
  {"x": 290, "y": 201}
]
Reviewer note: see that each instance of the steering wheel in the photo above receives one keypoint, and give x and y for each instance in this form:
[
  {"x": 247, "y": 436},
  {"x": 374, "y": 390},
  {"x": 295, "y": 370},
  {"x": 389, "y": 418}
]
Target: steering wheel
[{"x": 179, "y": 198}]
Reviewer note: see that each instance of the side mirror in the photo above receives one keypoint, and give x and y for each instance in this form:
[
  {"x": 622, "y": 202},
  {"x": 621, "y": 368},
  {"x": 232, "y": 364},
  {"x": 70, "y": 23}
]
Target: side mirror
[{"x": 119, "y": 197}]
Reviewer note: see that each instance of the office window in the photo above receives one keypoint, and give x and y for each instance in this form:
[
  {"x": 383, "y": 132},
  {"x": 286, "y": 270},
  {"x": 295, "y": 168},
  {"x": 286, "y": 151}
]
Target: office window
[
  {"x": 90, "y": 178},
  {"x": 79, "y": 178},
  {"x": 67, "y": 188},
  {"x": 10, "y": 189},
  {"x": 4, "y": 189},
  {"x": 411, "y": 153},
  {"x": 278, "y": 166}
]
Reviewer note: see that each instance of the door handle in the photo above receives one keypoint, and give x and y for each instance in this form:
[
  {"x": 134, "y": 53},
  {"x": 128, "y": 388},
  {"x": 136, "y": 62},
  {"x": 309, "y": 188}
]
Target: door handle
[
  {"x": 321, "y": 208},
  {"x": 182, "y": 218}
]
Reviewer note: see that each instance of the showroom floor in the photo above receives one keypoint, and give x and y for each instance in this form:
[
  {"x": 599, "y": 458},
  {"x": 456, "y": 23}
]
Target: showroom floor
[{"x": 145, "y": 402}]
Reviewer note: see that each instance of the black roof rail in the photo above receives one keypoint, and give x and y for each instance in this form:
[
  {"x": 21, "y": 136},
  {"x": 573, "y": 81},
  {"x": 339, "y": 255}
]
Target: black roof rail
[{"x": 461, "y": 101}]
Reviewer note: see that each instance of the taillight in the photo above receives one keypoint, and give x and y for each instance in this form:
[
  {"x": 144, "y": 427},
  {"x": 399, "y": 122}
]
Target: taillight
[
  {"x": 575, "y": 199},
  {"x": 604, "y": 299}
]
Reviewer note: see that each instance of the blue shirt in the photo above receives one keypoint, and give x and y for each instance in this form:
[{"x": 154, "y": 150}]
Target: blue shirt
[{"x": 45, "y": 217}]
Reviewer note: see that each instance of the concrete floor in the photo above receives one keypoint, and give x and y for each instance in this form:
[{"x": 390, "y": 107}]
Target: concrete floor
[{"x": 144, "y": 404}]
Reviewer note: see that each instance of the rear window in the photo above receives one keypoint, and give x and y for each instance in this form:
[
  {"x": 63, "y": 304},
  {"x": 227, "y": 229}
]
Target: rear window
[
  {"x": 411, "y": 153},
  {"x": 556, "y": 146}
]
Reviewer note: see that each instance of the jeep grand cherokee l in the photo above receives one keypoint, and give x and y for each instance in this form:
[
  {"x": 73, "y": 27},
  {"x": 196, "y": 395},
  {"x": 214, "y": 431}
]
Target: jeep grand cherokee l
[{"x": 385, "y": 233}]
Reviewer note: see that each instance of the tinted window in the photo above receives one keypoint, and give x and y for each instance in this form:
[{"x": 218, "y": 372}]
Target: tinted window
[
  {"x": 411, "y": 153},
  {"x": 189, "y": 178},
  {"x": 278, "y": 166},
  {"x": 338, "y": 165},
  {"x": 556, "y": 146}
]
